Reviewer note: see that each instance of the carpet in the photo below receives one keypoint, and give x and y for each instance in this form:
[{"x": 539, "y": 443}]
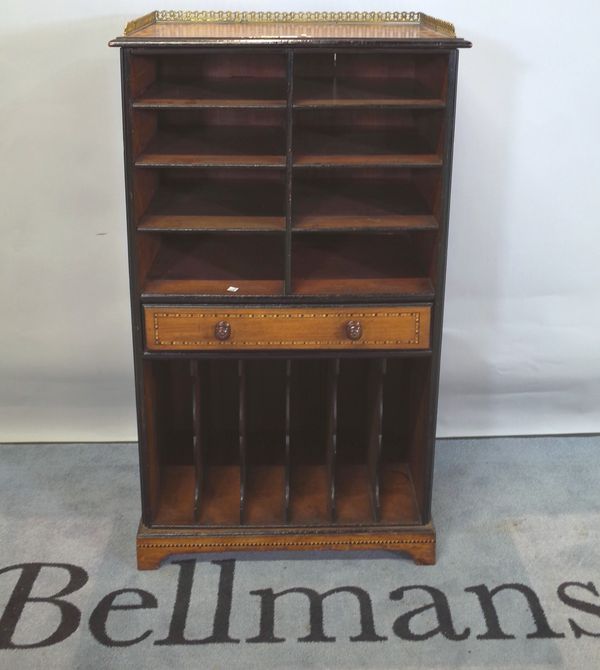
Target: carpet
[{"x": 516, "y": 584}]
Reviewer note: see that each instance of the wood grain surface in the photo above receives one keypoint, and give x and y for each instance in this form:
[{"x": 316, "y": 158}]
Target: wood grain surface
[{"x": 193, "y": 328}]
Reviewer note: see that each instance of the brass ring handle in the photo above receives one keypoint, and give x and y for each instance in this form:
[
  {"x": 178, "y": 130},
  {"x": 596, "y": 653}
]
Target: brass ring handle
[
  {"x": 354, "y": 330},
  {"x": 223, "y": 330}
]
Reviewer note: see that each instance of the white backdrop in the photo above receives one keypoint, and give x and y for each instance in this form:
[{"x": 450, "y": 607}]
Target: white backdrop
[{"x": 522, "y": 332}]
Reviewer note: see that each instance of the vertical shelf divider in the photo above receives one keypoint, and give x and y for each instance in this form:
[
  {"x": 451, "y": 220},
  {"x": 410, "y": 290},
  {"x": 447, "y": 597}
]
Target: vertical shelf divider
[
  {"x": 289, "y": 173},
  {"x": 198, "y": 441},
  {"x": 332, "y": 430},
  {"x": 375, "y": 432},
  {"x": 288, "y": 455},
  {"x": 242, "y": 437}
]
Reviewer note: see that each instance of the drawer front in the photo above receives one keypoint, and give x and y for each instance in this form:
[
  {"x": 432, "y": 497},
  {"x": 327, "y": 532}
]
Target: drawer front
[{"x": 210, "y": 328}]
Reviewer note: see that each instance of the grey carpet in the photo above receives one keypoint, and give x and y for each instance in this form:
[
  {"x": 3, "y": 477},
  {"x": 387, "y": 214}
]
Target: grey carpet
[{"x": 508, "y": 511}]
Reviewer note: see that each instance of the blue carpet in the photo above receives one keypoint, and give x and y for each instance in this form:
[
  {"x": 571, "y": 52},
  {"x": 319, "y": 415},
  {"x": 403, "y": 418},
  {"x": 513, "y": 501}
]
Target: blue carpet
[{"x": 516, "y": 585}]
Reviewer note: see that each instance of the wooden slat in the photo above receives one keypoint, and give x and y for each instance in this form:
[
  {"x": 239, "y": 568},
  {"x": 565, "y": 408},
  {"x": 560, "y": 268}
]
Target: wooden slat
[
  {"x": 243, "y": 453},
  {"x": 198, "y": 446},
  {"x": 375, "y": 431},
  {"x": 287, "y": 445},
  {"x": 331, "y": 437}
]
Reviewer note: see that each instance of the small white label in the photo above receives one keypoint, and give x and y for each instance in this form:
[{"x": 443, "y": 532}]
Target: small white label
[{"x": 233, "y": 289}]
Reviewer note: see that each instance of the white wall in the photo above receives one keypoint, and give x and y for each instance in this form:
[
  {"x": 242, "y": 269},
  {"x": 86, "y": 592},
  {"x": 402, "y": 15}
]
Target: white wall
[{"x": 522, "y": 332}]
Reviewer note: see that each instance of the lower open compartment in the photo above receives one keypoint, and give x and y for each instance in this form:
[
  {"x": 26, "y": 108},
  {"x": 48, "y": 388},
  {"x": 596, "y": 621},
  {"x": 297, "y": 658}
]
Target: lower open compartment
[{"x": 287, "y": 442}]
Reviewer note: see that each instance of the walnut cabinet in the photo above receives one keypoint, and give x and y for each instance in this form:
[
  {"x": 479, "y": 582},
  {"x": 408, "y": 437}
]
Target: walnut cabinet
[{"x": 288, "y": 188}]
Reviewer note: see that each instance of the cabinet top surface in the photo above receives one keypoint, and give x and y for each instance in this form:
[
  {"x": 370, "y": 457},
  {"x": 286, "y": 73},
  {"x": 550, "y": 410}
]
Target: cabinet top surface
[{"x": 204, "y": 28}]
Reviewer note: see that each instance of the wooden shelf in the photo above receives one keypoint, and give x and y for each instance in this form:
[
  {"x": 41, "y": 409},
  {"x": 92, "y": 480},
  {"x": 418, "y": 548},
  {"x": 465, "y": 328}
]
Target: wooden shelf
[
  {"x": 216, "y": 146},
  {"x": 360, "y": 265},
  {"x": 348, "y": 147},
  {"x": 316, "y": 92},
  {"x": 211, "y": 264},
  {"x": 216, "y": 205},
  {"x": 360, "y": 204},
  {"x": 159, "y": 288},
  {"x": 232, "y": 92}
]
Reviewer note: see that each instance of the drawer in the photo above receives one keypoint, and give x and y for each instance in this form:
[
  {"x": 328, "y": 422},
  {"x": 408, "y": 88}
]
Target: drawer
[{"x": 212, "y": 328}]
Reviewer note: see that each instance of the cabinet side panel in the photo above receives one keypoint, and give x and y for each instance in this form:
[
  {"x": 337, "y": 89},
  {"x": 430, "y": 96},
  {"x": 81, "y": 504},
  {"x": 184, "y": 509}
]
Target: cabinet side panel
[
  {"x": 424, "y": 494},
  {"x": 136, "y": 320}
]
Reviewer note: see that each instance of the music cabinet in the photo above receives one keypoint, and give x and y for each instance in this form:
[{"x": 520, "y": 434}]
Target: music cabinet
[{"x": 288, "y": 187}]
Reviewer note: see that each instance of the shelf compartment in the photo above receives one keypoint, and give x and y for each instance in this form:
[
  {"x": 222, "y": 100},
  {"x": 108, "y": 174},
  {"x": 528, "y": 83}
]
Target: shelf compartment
[
  {"x": 404, "y": 459},
  {"x": 310, "y": 502},
  {"x": 309, "y": 423},
  {"x": 209, "y": 138},
  {"x": 215, "y": 200},
  {"x": 233, "y": 146},
  {"x": 214, "y": 265},
  {"x": 353, "y": 500},
  {"x": 371, "y": 201},
  {"x": 363, "y": 264},
  {"x": 256, "y": 80},
  {"x": 195, "y": 403},
  {"x": 315, "y": 92},
  {"x": 344, "y": 147},
  {"x": 263, "y": 405},
  {"x": 338, "y": 79},
  {"x": 363, "y": 138},
  {"x": 398, "y": 502},
  {"x": 235, "y": 92},
  {"x": 397, "y": 494},
  {"x": 372, "y": 489},
  {"x": 220, "y": 504}
]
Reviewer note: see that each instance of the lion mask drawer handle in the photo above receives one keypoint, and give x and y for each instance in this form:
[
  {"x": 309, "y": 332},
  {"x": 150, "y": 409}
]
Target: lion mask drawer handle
[
  {"x": 354, "y": 330},
  {"x": 223, "y": 330}
]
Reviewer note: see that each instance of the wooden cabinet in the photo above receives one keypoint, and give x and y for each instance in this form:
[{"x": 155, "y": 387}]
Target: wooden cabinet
[{"x": 288, "y": 186}]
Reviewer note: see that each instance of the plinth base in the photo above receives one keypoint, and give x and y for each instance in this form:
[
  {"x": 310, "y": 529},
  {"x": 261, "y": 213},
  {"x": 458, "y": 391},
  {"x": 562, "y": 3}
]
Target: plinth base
[{"x": 154, "y": 545}]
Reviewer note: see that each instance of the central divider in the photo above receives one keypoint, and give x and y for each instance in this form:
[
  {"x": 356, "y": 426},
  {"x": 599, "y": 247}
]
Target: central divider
[{"x": 289, "y": 170}]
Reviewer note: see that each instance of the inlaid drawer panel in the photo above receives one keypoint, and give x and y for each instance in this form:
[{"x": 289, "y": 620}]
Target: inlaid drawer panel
[{"x": 213, "y": 328}]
